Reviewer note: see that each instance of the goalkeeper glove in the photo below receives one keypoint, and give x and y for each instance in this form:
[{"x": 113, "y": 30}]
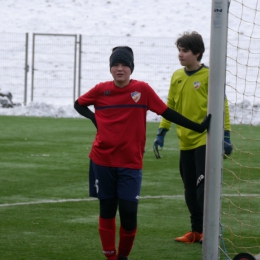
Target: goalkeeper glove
[
  {"x": 159, "y": 141},
  {"x": 228, "y": 147}
]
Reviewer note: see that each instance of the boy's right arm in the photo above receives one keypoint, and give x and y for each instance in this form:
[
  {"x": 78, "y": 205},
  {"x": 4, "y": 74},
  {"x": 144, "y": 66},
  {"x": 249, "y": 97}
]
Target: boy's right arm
[{"x": 179, "y": 119}]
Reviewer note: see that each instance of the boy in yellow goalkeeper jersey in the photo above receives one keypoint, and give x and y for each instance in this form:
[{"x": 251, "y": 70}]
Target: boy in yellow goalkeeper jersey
[{"x": 188, "y": 95}]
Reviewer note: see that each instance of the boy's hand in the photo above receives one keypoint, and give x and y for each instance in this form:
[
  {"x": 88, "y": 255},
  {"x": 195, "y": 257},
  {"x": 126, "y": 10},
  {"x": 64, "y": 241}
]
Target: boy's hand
[
  {"x": 205, "y": 123},
  {"x": 159, "y": 141},
  {"x": 228, "y": 147}
]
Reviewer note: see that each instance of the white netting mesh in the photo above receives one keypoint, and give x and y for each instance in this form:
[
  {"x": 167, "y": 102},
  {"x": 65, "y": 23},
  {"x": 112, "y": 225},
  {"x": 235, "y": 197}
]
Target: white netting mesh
[{"x": 241, "y": 171}]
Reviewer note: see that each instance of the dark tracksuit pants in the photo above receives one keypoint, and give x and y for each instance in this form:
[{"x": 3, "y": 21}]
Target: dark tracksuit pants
[{"x": 192, "y": 170}]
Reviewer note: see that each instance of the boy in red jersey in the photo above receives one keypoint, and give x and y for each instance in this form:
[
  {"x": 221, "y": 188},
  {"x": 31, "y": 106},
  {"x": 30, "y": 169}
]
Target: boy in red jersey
[{"x": 115, "y": 172}]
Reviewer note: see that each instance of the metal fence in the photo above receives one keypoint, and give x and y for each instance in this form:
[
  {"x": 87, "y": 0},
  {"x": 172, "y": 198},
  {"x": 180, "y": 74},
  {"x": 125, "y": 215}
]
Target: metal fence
[
  {"x": 14, "y": 64},
  {"x": 57, "y": 68},
  {"x": 155, "y": 59},
  {"x": 54, "y": 68}
]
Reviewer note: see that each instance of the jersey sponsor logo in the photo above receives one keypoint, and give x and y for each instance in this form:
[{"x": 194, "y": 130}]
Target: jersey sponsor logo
[
  {"x": 136, "y": 96},
  {"x": 107, "y": 92},
  {"x": 196, "y": 85},
  {"x": 179, "y": 81}
]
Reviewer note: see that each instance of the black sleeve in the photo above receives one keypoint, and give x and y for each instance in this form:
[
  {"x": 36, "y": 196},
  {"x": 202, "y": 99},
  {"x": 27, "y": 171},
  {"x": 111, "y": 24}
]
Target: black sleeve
[
  {"x": 179, "y": 119},
  {"x": 85, "y": 111}
]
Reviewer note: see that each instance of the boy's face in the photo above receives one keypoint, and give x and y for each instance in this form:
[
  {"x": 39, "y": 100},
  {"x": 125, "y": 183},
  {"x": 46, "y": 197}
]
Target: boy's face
[
  {"x": 188, "y": 59},
  {"x": 121, "y": 74}
]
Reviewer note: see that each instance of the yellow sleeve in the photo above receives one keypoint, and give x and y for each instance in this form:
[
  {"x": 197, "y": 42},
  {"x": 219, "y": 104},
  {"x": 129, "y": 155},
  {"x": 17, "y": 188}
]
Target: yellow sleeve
[
  {"x": 227, "y": 116},
  {"x": 171, "y": 104}
]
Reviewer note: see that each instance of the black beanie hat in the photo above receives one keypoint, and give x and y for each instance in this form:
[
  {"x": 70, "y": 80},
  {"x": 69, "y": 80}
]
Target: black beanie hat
[{"x": 122, "y": 54}]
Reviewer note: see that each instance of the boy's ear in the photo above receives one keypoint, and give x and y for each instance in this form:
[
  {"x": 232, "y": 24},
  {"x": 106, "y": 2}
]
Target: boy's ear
[{"x": 197, "y": 55}]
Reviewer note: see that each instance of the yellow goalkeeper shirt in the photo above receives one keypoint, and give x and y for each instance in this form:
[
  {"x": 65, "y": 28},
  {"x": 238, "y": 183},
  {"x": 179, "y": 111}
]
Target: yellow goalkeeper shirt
[{"x": 188, "y": 95}]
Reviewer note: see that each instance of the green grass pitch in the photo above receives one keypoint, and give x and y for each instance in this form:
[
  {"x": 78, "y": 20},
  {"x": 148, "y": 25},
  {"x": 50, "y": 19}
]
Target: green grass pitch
[{"x": 44, "y": 205}]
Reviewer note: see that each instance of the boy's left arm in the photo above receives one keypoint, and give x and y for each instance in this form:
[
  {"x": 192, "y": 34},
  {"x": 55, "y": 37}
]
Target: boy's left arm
[{"x": 228, "y": 147}]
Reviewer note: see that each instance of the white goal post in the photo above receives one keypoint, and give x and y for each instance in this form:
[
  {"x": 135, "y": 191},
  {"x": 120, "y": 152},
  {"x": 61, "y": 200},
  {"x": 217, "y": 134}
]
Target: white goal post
[
  {"x": 232, "y": 200},
  {"x": 214, "y": 149}
]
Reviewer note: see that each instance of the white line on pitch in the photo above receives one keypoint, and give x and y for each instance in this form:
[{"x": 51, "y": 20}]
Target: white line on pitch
[{"x": 92, "y": 199}]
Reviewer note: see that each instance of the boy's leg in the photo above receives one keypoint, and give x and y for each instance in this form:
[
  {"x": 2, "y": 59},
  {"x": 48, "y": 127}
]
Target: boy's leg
[
  {"x": 189, "y": 177},
  {"x": 200, "y": 157},
  {"x": 103, "y": 184},
  {"x": 107, "y": 227},
  {"x": 129, "y": 186},
  {"x": 128, "y": 227}
]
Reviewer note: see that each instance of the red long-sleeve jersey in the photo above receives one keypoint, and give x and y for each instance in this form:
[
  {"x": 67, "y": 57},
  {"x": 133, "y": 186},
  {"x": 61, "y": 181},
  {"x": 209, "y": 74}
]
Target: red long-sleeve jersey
[{"x": 121, "y": 119}]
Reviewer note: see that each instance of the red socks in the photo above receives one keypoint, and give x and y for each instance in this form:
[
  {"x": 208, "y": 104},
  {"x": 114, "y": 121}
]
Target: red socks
[
  {"x": 107, "y": 232},
  {"x": 126, "y": 241}
]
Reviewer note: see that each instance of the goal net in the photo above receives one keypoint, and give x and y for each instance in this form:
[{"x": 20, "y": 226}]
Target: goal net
[{"x": 240, "y": 213}]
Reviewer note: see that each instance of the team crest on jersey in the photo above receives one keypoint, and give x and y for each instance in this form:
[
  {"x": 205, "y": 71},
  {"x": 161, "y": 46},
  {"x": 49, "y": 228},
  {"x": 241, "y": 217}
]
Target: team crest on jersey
[
  {"x": 107, "y": 92},
  {"x": 136, "y": 96},
  {"x": 196, "y": 84}
]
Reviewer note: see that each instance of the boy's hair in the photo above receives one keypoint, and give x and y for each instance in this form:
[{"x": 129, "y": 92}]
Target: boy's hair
[{"x": 191, "y": 41}]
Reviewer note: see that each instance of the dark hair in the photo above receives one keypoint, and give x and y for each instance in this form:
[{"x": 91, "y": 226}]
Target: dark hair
[{"x": 192, "y": 41}]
